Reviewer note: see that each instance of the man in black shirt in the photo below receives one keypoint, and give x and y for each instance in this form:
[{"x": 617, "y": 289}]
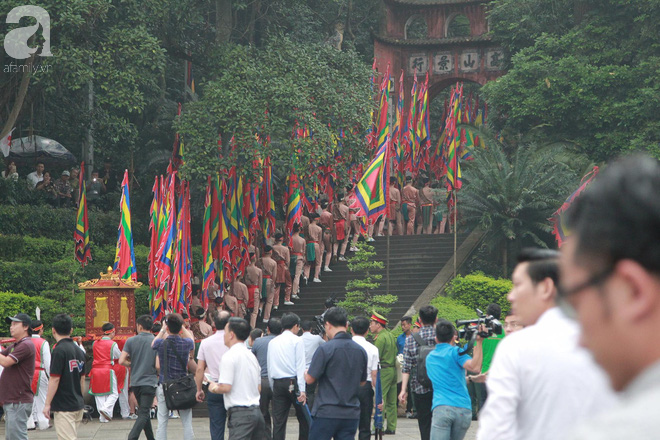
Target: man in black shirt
[
  {"x": 67, "y": 374},
  {"x": 340, "y": 366}
]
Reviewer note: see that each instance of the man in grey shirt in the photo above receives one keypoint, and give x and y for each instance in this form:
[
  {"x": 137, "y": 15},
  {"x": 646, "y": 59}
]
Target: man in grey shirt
[
  {"x": 260, "y": 350},
  {"x": 141, "y": 358},
  {"x": 610, "y": 283}
]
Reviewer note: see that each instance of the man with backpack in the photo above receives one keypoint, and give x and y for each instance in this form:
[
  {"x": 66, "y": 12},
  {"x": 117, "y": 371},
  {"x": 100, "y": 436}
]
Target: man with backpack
[{"x": 420, "y": 386}]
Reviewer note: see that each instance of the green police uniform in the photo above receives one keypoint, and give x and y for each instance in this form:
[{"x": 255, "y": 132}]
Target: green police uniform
[{"x": 386, "y": 344}]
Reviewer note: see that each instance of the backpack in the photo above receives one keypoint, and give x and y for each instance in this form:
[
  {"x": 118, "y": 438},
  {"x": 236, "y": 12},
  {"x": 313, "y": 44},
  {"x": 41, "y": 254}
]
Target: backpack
[{"x": 423, "y": 351}]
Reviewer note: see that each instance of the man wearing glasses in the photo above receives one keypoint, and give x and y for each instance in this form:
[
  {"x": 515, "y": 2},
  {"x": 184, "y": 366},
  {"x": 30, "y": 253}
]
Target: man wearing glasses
[
  {"x": 541, "y": 383},
  {"x": 610, "y": 270}
]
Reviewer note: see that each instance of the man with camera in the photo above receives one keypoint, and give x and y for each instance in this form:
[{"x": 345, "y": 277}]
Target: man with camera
[
  {"x": 610, "y": 275},
  {"x": 446, "y": 366},
  {"x": 540, "y": 381}
]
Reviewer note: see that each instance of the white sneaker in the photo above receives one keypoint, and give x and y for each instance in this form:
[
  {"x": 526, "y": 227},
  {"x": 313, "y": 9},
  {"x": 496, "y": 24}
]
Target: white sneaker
[
  {"x": 316, "y": 280},
  {"x": 289, "y": 303},
  {"x": 295, "y": 297},
  {"x": 327, "y": 269},
  {"x": 353, "y": 249},
  {"x": 341, "y": 258},
  {"x": 106, "y": 415},
  {"x": 275, "y": 307},
  {"x": 371, "y": 239},
  {"x": 265, "y": 321}
]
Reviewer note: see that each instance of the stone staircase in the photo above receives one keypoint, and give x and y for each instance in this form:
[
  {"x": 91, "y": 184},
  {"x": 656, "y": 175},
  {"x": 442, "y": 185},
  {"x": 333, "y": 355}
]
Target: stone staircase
[{"x": 414, "y": 261}]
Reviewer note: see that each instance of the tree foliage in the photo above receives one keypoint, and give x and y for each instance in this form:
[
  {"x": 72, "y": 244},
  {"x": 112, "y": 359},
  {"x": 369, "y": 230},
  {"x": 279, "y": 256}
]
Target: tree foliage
[
  {"x": 584, "y": 71},
  {"x": 360, "y": 297},
  {"x": 477, "y": 290},
  {"x": 512, "y": 196}
]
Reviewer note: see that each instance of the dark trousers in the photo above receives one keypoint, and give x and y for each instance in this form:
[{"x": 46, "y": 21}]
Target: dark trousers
[
  {"x": 264, "y": 404},
  {"x": 145, "y": 398},
  {"x": 366, "y": 396},
  {"x": 310, "y": 392},
  {"x": 282, "y": 401},
  {"x": 423, "y": 403},
  {"x": 337, "y": 429},
  {"x": 245, "y": 423},
  {"x": 217, "y": 415}
]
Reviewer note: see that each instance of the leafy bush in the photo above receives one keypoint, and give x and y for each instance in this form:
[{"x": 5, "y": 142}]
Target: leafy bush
[
  {"x": 38, "y": 250},
  {"x": 479, "y": 290},
  {"x": 13, "y": 303},
  {"x": 451, "y": 309}
]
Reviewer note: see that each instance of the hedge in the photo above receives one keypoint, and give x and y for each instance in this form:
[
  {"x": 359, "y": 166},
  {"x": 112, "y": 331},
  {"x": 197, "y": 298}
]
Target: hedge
[
  {"x": 13, "y": 303},
  {"x": 59, "y": 223},
  {"x": 477, "y": 290},
  {"x": 448, "y": 309}
]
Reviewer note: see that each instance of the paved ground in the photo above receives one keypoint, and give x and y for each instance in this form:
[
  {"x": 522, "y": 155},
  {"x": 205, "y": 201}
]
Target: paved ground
[{"x": 118, "y": 430}]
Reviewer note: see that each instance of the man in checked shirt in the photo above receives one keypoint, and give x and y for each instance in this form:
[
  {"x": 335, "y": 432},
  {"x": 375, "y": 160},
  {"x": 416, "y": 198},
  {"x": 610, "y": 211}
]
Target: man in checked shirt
[{"x": 422, "y": 397}]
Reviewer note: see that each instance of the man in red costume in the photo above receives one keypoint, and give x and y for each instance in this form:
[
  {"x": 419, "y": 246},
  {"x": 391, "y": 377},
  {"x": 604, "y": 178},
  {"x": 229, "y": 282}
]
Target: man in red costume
[
  {"x": 40, "y": 378},
  {"x": 105, "y": 382}
]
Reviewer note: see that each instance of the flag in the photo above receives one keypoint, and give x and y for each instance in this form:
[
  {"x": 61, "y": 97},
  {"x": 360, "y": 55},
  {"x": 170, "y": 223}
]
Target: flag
[
  {"x": 454, "y": 177},
  {"x": 208, "y": 271},
  {"x": 408, "y": 131},
  {"x": 372, "y": 189},
  {"x": 293, "y": 204},
  {"x": 181, "y": 286},
  {"x": 153, "y": 227},
  {"x": 81, "y": 233},
  {"x": 560, "y": 230},
  {"x": 267, "y": 200},
  {"x": 164, "y": 256},
  {"x": 396, "y": 133},
  {"x": 124, "y": 254},
  {"x": 423, "y": 129}
]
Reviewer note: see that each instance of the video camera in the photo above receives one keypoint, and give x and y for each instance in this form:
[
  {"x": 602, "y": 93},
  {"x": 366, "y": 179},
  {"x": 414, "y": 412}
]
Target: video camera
[
  {"x": 470, "y": 328},
  {"x": 319, "y": 321}
]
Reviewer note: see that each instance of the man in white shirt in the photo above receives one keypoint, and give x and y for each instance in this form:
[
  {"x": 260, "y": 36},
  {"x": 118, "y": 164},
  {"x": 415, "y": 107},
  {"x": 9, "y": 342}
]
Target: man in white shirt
[
  {"x": 541, "y": 383},
  {"x": 286, "y": 375},
  {"x": 240, "y": 381},
  {"x": 311, "y": 342},
  {"x": 610, "y": 279},
  {"x": 359, "y": 328},
  {"x": 209, "y": 358},
  {"x": 36, "y": 176}
]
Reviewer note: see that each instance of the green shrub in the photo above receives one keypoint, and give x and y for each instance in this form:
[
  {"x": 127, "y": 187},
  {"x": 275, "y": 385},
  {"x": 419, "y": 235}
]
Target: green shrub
[
  {"x": 142, "y": 301},
  {"x": 38, "y": 250},
  {"x": 478, "y": 290},
  {"x": 451, "y": 310},
  {"x": 13, "y": 303}
]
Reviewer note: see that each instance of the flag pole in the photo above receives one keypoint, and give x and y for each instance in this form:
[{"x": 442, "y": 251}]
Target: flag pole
[
  {"x": 388, "y": 257},
  {"x": 455, "y": 228}
]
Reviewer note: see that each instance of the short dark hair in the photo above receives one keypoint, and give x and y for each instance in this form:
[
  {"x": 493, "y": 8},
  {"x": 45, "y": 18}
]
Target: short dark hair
[
  {"x": 618, "y": 216},
  {"x": 107, "y": 327},
  {"x": 494, "y": 310},
  {"x": 240, "y": 328},
  {"x": 407, "y": 319},
  {"x": 359, "y": 325},
  {"x": 146, "y": 322},
  {"x": 62, "y": 324},
  {"x": 267, "y": 249},
  {"x": 543, "y": 263},
  {"x": 444, "y": 330},
  {"x": 279, "y": 236},
  {"x": 220, "y": 319},
  {"x": 289, "y": 321},
  {"x": 393, "y": 180},
  {"x": 35, "y": 323},
  {"x": 274, "y": 326},
  {"x": 306, "y": 325},
  {"x": 428, "y": 314},
  {"x": 256, "y": 333},
  {"x": 156, "y": 327},
  {"x": 336, "y": 316},
  {"x": 174, "y": 322}
]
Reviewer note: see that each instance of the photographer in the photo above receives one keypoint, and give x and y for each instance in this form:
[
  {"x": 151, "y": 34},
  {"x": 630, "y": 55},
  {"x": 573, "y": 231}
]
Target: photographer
[{"x": 452, "y": 408}]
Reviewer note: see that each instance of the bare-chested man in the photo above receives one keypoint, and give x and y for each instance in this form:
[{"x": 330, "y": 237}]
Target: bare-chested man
[
  {"x": 315, "y": 237},
  {"x": 410, "y": 199}
]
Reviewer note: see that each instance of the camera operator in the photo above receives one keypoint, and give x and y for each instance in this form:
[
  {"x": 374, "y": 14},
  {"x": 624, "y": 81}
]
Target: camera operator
[
  {"x": 540, "y": 381},
  {"x": 446, "y": 366}
]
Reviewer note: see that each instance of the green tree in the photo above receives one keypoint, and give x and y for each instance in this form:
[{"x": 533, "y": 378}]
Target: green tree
[
  {"x": 360, "y": 297},
  {"x": 582, "y": 71},
  {"x": 512, "y": 196}
]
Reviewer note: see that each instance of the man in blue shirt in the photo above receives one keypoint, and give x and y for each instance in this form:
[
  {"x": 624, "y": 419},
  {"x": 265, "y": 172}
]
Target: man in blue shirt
[
  {"x": 340, "y": 366},
  {"x": 452, "y": 409}
]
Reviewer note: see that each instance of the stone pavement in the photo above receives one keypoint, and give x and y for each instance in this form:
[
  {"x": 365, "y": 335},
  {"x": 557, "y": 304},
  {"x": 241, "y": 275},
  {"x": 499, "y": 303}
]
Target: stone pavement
[{"x": 118, "y": 430}]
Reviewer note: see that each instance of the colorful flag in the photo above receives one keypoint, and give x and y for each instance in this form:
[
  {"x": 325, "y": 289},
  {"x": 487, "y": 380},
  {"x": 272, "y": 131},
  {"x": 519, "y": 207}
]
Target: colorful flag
[
  {"x": 454, "y": 177},
  {"x": 372, "y": 189},
  {"x": 293, "y": 205},
  {"x": 208, "y": 271},
  {"x": 153, "y": 227},
  {"x": 267, "y": 200},
  {"x": 408, "y": 132},
  {"x": 397, "y": 134},
  {"x": 81, "y": 233},
  {"x": 124, "y": 254},
  {"x": 165, "y": 254},
  {"x": 560, "y": 230}
]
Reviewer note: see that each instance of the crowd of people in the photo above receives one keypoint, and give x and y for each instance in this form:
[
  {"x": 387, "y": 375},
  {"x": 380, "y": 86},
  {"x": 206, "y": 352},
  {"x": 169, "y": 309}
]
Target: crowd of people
[
  {"x": 577, "y": 360},
  {"x": 62, "y": 191}
]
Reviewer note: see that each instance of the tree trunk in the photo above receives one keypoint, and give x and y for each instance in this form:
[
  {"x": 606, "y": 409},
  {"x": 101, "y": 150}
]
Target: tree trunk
[
  {"x": 20, "y": 98},
  {"x": 223, "y": 21}
]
